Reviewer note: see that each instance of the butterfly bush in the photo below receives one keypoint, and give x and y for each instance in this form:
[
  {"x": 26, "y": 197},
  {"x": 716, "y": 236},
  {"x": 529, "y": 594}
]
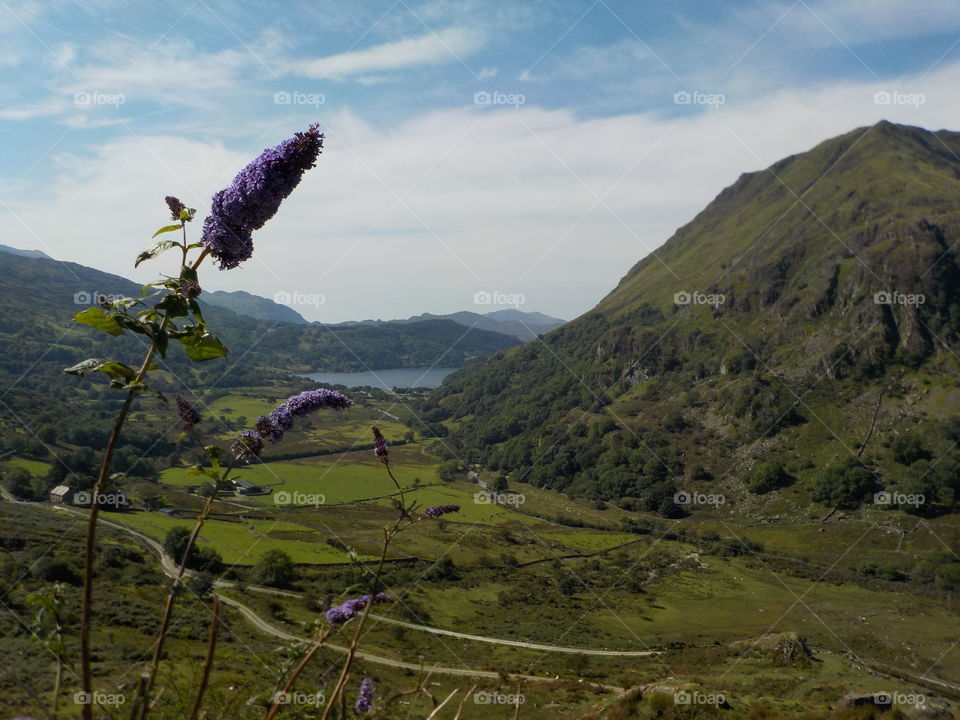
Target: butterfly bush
[
  {"x": 364, "y": 702},
  {"x": 255, "y": 195},
  {"x": 189, "y": 416},
  {"x": 273, "y": 426},
  {"x": 168, "y": 311}
]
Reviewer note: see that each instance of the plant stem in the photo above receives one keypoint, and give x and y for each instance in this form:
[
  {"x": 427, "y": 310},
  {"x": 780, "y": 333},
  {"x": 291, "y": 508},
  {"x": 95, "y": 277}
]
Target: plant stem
[
  {"x": 86, "y": 679},
  {"x": 208, "y": 663},
  {"x": 168, "y": 609},
  {"x": 314, "y": 646},
  {"x": 388, "y": 534}
]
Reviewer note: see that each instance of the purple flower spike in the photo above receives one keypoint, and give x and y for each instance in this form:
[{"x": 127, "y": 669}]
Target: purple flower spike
[
  {"x": 175, "y": 206},
  {"x": 248, "y": 446},
  {"x": 380, "y": 445},
  {"x": 364, "y": 702},
  {"x": 274, "y": 425},
  {"x": 255, "y": 195},
  {"x": 435, "y": 512},
  {"x": 189, "y": 416}
]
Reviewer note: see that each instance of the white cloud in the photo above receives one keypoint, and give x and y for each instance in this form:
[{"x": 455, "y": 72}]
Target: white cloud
[
  {"x": 432, "y": 48},
  {"x": 492, "y": 199}
]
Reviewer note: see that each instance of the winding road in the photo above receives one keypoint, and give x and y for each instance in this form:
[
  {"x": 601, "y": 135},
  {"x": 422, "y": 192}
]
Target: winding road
[{"x": 170, "y": 568}]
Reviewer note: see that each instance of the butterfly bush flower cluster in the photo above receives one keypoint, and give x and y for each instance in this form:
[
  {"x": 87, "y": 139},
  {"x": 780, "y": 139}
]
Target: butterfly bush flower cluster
[
  {"x": 348, "y": 610},
  {"x": 380, "y": 448},
  {"x": 364, "y": 702},
  {"x": 175, "y": 206},
  {"x": 255, "y": 195},
  {"x": 273, "y": 426},
  {"x": 189, "y": 416},
  {"x": 434, "y": 512}
]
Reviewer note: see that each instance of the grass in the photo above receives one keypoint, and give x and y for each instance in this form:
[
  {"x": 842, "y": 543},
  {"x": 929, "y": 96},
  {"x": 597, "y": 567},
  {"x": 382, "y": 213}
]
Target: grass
[
  {"x": 37, "y": 468},
  {"x": 244, "y": 542}
]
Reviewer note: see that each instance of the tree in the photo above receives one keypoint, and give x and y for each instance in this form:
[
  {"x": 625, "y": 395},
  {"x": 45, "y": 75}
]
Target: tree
[
  {"x": 274, "y": 569},
  {"x": 768, "y": 476},
  {"x": 846, "y": 485}
]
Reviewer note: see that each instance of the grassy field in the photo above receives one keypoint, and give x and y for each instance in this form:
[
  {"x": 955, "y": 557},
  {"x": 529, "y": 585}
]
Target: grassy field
[{"x": 37, "y": 468}]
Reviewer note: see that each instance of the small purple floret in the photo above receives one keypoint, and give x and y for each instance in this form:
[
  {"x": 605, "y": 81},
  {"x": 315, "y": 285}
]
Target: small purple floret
[
  {"x": 248, "y": 446},
  {"x": 189, "y": 416},
  {"x": 364, "y": 702},
  {"x": 435, "y": 512}
]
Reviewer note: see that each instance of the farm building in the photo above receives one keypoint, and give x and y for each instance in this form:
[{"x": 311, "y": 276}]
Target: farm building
[{"x": 61, "y": 494}]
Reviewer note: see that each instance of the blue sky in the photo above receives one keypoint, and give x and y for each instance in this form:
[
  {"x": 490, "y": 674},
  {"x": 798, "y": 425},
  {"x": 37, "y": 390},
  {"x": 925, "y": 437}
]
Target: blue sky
[{"x": 534, "y": 149}]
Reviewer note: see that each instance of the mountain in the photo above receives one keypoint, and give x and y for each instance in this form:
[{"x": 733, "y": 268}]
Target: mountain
[
  {"x": 794, "y": 348},
  {"x": 38, "y": 337},
  {"x": 524, "y": 326},
  {"x": 23, "y": 253},
  {"x": 259, "y": 308}
]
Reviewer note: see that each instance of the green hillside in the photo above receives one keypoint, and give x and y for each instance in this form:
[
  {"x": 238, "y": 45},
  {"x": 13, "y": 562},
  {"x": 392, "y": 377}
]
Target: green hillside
[{"x": 751, "y": 355}]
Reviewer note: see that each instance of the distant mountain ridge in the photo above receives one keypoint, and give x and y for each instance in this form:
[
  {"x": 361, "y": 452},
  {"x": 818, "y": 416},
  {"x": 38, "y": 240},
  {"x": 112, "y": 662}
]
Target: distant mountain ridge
[
  {"x": 524, "y": 326},
  {"x": 254, "y": 306}
]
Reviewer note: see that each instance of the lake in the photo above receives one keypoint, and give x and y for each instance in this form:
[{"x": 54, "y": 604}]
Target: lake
[{"x": 386, "y": 379}]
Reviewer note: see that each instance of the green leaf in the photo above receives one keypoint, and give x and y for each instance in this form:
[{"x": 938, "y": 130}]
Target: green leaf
[
  {"x": 201, "y": 346},
  {"x": 117, "y": 371},
  {"x": 174, "y": 305},
  {"x": 100, "y": 320},
  {"x": 166, "y": 229},
  {"x": 161, "y": 247}
]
